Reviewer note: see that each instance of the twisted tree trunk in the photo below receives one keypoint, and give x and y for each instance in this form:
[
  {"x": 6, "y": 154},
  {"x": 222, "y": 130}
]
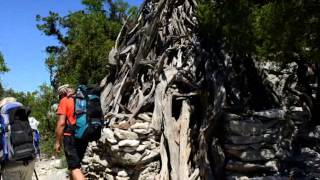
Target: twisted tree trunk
[{"x": 178, "y": 110}]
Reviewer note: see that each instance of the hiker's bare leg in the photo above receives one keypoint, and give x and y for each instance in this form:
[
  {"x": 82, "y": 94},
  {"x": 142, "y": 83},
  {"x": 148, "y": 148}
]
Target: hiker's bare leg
[{"x": 76, "y": 174}]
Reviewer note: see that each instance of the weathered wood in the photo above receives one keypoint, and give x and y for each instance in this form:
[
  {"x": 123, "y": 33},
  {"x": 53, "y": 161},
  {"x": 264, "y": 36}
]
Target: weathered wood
[
  {"x": 142, "y": 100},
  {"x": 164, "y": 173},
  {"x": 201, "y": 102},
  {"x": 117, "y": 98},
  {"x": 185, "y": 147},
  {"x": 171, "y": 132},
  {"x": 165, "y": 79}
]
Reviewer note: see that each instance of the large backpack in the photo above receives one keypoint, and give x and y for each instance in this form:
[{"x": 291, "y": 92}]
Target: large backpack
[
  {"x": 88, "y": 113},
  {"x": 16, "y": 134}
]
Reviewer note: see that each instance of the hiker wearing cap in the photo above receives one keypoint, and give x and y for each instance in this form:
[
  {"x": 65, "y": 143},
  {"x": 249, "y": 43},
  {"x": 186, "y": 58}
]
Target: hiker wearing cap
[
  {"x": 17, "y": 151},
  {"x": 73, "y": 148}
]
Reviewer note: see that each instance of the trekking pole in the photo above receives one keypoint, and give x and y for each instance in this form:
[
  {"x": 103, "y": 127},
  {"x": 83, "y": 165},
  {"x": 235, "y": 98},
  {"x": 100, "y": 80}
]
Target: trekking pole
[{"x": 35, "y": 173}]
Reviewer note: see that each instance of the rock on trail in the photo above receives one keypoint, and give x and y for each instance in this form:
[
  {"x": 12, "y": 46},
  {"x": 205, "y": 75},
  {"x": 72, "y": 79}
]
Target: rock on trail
[{"x": 50, "y": 170}]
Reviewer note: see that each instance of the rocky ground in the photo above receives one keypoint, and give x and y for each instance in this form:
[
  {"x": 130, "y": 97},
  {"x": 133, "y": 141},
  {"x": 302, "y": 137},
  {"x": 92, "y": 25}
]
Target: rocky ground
[{"x": 48, "y": 169}]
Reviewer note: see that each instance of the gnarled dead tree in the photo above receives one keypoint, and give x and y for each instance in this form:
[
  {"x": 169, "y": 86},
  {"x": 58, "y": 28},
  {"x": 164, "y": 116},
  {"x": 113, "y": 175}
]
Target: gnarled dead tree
[{"x": 177, "y": 110}]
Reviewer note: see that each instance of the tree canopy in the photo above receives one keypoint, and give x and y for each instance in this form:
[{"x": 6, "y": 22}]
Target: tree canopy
[
  {"x": 85, "y": 38},
  {"x": 271, "y": 30},
  {"x": 3, "y": 66},
  {"x": 3, "y": 69}
]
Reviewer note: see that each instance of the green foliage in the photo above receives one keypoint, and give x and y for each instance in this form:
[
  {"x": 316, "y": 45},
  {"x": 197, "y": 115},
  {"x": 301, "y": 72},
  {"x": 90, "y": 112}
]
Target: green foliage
[
  {"x": 87, "y": 37},
  {"x": 47, "y": 146},
  {"x": 288, "y": 28},
  {"x": 3, "y": 67},
  {"x": 227, "y": 23},
  {"x": 273, "y": 30},
  {"x": 40, "y": 103}
]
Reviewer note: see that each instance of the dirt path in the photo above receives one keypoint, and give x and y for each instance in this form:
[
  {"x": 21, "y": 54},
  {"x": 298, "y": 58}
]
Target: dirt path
[{"x": 50, "y": 170}]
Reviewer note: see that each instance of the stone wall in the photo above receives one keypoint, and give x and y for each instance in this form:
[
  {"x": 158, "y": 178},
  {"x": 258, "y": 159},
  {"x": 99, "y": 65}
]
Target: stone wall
[{"x": 124, "y": 152}]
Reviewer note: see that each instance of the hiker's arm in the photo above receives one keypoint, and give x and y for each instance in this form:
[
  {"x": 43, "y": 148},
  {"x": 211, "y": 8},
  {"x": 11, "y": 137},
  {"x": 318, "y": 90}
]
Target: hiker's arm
[{"x": 59, "y": 130}]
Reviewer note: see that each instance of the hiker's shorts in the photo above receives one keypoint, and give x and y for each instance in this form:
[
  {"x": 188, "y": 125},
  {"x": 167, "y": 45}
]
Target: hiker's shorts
[
  {"x": 14, "y": 170},
  {"x": 74, "y": 150}
]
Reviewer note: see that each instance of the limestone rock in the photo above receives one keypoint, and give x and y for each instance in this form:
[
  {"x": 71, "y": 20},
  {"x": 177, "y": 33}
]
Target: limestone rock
[
  {"x": 141, "y": 147},
  {"x": 123, "y": 134},
  {"x": 122, "y": 178},
  {"x": 131, "y": 143},
  {"x": 122, "y": 173},
  {"x": 141, "y": 131},
  {"x": 150, "y": 172},
  {"x": 108, "y": 176},
  {"x": 115, "y": 147},
  {"x": 253, "y": 155},
  {"x": 107, "y": 134},
  {"x": 249, "y": 139},
  {"x": 243, "y": 128},
  {"x": 128, "y": 149},
  {"x": 150, "y": 155},
  {"x": 130, "y": 159},
  {"x": 271, "y": 113},
  {"x": 250, "y": 167},
  {"x": 140, "y": 126}
]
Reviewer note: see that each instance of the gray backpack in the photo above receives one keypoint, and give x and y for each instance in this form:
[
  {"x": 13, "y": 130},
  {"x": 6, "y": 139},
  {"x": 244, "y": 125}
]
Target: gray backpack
[{"x": 16, "y": 134}]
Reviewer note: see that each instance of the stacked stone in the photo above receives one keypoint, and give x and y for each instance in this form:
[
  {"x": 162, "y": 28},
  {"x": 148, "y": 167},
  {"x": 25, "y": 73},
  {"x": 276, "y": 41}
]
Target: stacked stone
[
  {"x": 123, "y": 152},
  {"x": 304, "y": 161},
  {"x": 271, "y": 145},
  {"x": 254, "y": 145}
]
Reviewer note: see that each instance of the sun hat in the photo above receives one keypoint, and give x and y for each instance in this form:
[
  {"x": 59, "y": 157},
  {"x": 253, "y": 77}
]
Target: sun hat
[
  {"x": 63, "y": 89},
  {"x": 7, "y": 100}
]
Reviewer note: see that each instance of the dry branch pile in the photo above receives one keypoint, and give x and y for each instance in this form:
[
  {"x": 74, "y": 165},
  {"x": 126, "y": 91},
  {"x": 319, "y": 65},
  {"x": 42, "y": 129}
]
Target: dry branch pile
[{"x": 179, "y": 111}]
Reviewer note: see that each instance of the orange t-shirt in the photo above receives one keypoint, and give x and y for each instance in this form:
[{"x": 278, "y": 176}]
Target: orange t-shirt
[{"x": 66, "y": 107}]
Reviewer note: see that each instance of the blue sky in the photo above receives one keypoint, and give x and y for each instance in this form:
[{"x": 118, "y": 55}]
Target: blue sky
[{"x": 23, "y": 45}]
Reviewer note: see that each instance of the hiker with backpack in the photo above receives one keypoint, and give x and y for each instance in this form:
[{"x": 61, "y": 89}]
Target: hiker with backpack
[
  {"x": 79, "y": 122},
  {"x": 17, "y": 149}
]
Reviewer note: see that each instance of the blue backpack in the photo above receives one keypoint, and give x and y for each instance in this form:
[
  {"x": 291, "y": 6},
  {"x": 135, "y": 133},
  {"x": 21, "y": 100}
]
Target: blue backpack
[
  {"x": 17, "y": 141},
  {"x": 88, "y": 113}
]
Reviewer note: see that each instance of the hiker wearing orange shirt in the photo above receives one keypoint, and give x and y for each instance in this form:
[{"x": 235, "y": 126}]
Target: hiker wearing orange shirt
[{"x": 73, "y": 148}]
